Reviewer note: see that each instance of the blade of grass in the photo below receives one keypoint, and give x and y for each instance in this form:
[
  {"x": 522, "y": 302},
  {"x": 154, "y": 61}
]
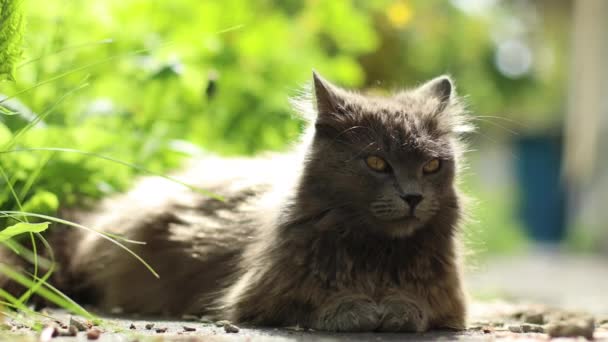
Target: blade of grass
[
  {"x": 66, "y": 48},
  {"x": 47, "y": 274},
  {"x": 40, "y": 117},
  {"x": 44, "y": 292},
  {"x": 31, "y": 179},
  {"x": 27, "y": 254},
  {"x": 110, "y": 237},
  {"x": 58, "y": 220},
  {"x": 32, "y": 239},
  {"x": 72, "y": 71}
]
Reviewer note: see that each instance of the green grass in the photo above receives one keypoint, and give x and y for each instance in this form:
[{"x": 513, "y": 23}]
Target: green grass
[{"x": 33, "y": 283}]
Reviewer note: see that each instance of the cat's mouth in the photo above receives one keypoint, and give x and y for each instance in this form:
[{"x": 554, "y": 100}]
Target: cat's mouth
[
  {"x": 402, "y": 226},
  {"x": 407, "y": 217}
]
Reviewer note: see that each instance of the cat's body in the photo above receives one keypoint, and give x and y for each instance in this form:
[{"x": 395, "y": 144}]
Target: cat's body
[{"x": 352, "y": 232}]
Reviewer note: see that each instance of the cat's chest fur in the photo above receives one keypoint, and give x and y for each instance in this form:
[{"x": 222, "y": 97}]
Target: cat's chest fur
[{"x": 346, "y": 259}]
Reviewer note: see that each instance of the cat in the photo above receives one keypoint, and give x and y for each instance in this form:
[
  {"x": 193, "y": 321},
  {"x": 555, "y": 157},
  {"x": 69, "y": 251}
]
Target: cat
[{"x": 355, "y": 230}]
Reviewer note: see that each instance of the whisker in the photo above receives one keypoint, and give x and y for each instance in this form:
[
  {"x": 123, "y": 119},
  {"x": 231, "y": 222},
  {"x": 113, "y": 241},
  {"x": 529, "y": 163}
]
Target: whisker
[
  {"x": 497, "y": 125},
  {"x": 500, "y": 118},
  {"x": 348, "y": 130}
]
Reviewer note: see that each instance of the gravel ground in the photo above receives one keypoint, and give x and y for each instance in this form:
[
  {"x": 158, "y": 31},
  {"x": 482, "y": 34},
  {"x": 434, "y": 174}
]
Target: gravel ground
[{"x": 489, "y": 321}]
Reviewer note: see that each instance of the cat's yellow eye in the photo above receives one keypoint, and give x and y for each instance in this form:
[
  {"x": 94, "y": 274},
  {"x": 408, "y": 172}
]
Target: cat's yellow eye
[
  {"x": 431, "y": 166},
  {"x": 376, "y": 163}
]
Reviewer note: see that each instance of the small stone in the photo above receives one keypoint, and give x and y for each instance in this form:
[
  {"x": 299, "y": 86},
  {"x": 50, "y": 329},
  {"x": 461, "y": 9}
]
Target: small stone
[
  {"x": 186, "y": 328},
  {"x": 132, "y": 326},
  {"x": 48, "y": 333},
  {"x": 117, "y": 310},
  {"x": 221, "y": 323},
  {"x": 487, "y": 330},
  {"x": 71, "y": 331},
  {"x": 572, "y": 328},
  {"x": 206, "y": 320},
  {"x": 532, "y": 328},
  {"x": 515, "y": 328},
  {"x": 161, "y": 330},
  {"x": 79, "y": 325},
  {"x": 517, "y": 314},
  {"x": 295, "y": 328},
  {"x": 61, "y": 324},
  {"x": 231, "y": 328},
  {"x": 534, "y": 318},
  {"x": 93, "y": 334},
  {"x": 149, "y": 326}
]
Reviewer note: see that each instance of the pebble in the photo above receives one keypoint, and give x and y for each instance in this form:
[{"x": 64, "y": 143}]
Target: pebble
[
  {"x": 132, "y": 326},
  {"x": 117, "y": 310},
  {"x": 572, "y": 328},
  {"x": 206, "y": 320},
  {"x": 221, "y": 323},
  {"x": 80, "y": 326},
  {"x": 186, "y": 328},
  {"x": 161, "y": 330},
  {"x": 61, "y": 324},
  {"x": 534, "y": 318},
  {"x": 71, "y": 331},
  {"x": 515, "y": 328},
  {"x": 532, "y": 328},
  {"x": 231, "y": 328},
  {"x": 149, "y": 326},
  {"x": 93, "y": 334},
  {"x": 48, "y": 333}
]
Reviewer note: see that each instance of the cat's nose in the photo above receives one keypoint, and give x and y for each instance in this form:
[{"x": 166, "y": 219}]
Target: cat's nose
[{"x": 412, "y": 199}]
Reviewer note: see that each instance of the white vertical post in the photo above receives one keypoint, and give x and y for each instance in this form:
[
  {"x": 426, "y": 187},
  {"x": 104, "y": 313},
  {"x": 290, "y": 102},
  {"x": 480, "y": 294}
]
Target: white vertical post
[{"x": 586, "y": 131}]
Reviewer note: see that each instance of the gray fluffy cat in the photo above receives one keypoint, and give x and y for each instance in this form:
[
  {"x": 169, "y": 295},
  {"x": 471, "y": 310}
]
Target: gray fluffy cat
[{"x": 356, "y": 230}]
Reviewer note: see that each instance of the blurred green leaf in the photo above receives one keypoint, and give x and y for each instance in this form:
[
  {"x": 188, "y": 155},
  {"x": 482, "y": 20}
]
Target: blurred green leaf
[{"x": 21, "y": 228}]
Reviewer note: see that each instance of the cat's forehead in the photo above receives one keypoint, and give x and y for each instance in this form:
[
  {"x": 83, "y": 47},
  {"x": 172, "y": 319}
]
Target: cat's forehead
[{"x": 406, "y": 125}]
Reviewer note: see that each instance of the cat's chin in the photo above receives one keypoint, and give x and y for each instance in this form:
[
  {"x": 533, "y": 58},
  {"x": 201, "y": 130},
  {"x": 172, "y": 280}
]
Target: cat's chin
[{"x": 401, "y": 228}]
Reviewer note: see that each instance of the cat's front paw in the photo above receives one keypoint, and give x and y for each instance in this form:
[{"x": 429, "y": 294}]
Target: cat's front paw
[
  {"x": 356, "y": 313},
  {"x": 402, "y": 315}
]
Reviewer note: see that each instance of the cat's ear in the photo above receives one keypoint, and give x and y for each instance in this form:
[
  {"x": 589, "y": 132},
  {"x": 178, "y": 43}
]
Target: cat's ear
[
  {"x": 441, "y": 88},
  {"x": 328, "y": 97}
]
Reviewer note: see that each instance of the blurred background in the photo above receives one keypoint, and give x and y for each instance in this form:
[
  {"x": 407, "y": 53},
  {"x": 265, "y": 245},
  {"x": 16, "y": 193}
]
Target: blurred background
[{"x": 152, "y": 83}]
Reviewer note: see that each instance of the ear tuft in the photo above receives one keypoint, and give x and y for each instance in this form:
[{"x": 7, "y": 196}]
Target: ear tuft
[
  {"x": 326, "y": 94},
  {"x": 441, "y": 87}
]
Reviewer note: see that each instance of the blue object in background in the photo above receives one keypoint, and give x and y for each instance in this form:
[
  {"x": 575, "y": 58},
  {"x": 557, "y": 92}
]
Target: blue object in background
[{"x": 542, "y": 194}]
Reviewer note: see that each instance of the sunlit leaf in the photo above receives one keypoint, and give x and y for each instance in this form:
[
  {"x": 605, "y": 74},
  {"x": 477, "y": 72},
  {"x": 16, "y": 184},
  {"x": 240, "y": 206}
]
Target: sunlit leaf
[{"x": 21, "y": 228}]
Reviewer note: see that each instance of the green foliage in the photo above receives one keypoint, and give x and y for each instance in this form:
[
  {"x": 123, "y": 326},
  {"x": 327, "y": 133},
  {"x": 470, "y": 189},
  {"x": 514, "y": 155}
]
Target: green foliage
[
  {"x": 11, "y": 27},
  {"x": 125, "y": 79}
]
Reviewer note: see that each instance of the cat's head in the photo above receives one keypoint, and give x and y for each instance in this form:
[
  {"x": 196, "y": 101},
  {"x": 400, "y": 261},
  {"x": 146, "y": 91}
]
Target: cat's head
[{"x": 387, "y": 161}]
